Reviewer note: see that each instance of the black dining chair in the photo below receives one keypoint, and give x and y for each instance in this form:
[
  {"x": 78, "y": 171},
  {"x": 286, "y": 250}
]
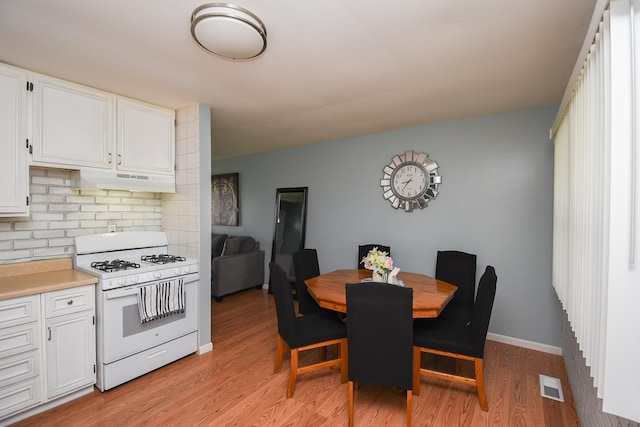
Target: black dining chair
[
  {"x": 457, "y": 340},
  {"x": 305, "y": 265},
  {"x": 306, "y": 332},
  {"x": 380, "y": 338},
  {"x": 459, "y": 269},
  {"x": 363, "y": 250}
]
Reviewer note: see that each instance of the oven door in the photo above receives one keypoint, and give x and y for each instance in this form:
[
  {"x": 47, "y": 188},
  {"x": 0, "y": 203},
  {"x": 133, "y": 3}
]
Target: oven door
[{"x": 120, "y": 332}]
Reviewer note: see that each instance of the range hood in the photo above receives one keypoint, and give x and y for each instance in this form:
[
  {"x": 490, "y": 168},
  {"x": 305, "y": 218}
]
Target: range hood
[{"x": 102, "y": 179}]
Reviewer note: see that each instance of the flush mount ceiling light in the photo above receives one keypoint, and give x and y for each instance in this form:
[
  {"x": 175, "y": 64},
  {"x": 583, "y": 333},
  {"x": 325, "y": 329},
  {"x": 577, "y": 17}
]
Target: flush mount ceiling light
[{"x": 229, "y": 31}]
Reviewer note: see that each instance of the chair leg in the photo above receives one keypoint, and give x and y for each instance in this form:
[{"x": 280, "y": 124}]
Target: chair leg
[
  {"x": 417, "y": 354},
  {"x": 409, "y": 407},
  {"x": 350, "y": 403},
  {"x": 279, "y": 350},
  {"x": 293, "y": 372},
  {"x": 344, "y": 366},
  {"x": 482, "y": 395}
]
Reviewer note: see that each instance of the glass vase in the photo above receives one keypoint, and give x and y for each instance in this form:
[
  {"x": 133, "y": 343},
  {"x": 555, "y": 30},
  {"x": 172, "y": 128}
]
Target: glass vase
[{"x": 382, "y": 278}]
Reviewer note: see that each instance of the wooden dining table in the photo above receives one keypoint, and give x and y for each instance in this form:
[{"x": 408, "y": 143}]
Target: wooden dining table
[{"x": 430, "y": 295}]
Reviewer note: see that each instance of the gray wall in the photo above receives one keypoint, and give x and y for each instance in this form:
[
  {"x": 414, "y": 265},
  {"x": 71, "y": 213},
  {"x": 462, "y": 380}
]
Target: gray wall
[{"x": 495, "y": 201}]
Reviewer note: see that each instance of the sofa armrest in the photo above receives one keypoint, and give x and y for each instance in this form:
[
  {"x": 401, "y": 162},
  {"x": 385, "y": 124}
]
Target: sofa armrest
[{"x": 233, "y": 273}]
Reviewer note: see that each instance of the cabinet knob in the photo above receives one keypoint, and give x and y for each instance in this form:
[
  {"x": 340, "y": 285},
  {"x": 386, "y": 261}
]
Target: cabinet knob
[{"x": 70, "y": 302}]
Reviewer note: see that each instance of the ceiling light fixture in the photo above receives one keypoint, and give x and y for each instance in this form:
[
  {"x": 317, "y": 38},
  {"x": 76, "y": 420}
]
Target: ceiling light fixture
[{"x": 229, "y": 31}]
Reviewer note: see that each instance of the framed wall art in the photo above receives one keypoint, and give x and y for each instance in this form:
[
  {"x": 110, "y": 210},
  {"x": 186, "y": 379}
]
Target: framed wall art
[{"x": 225, "y": 207}]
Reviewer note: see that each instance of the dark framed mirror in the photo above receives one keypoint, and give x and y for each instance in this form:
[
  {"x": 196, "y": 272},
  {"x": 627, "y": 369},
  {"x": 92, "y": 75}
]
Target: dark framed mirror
[{"x": 290, "y": 222}]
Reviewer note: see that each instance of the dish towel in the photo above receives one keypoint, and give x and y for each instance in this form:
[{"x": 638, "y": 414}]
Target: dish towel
[{"x": 161, "y": 300}]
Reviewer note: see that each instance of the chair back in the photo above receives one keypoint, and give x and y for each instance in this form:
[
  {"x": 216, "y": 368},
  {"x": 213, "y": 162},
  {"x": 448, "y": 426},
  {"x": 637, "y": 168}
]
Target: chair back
[
  {"x": 305, "y": 265},
  {"x": 285, "y": 311},
  {"x": 482, "y": 310},
  {"x": 363, "y": 250},
  {"x": 459, "y": 269},
  {"x": 380, "y": 334}
]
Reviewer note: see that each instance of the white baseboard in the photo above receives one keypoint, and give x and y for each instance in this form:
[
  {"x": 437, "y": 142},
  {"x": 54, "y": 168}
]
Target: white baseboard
[
  {"x": 524, "y": 343},
  {"x": 265, "y": 286},
  {"x": 205, "y": 348}
]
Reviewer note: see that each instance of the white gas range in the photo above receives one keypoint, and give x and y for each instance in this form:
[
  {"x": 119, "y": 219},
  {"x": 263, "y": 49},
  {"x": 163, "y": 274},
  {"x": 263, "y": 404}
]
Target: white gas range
[{"x": 146, "y": 303}]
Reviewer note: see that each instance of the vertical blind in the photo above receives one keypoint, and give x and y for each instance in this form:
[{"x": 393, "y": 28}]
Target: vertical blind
[
  {"x": 581, "y": 145},
  {"x": 596, "y": 219}
]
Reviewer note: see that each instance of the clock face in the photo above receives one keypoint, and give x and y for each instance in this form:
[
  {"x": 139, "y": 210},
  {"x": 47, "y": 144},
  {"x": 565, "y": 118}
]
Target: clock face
[{"x": 410, "y": 181}]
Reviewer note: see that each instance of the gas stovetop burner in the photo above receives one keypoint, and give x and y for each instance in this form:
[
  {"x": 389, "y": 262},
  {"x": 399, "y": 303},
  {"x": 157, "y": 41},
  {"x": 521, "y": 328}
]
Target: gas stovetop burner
[
  {"x": 162, "y": 258},
  {"x": 115, "y": 265}
]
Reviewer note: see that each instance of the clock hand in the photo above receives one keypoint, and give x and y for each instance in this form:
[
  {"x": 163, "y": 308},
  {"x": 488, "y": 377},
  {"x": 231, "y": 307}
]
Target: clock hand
[{"x": 406, "y": 183}]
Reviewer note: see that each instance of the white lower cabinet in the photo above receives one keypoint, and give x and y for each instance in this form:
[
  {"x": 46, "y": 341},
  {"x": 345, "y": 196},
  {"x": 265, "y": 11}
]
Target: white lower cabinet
[
  {"x": 47, "y": 350},
  {"x": 20, "y": 354},
  {"x": 71, "y": 353}
]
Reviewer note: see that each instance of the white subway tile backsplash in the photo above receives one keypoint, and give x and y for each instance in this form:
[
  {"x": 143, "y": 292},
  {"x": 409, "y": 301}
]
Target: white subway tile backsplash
[
  {"x": 61, "y": 242},
  {"x": 31, "y": 225},
  {"x": 120, "y": 208},
  {"x": 137, "y": 215},
  {"x": 49, "y": 180},
  {"x": 66, "y": 207},
  {"x": 46, "y": 198},
  {"x": 52, "y": 252},
  {"x": 15, "y": 256},
  {"x": 53, "y": 225},
  {"x": 46, "y": 216},
  {"x": 16, "y": 235},
  {"x": 94, "y": 208},
  {"x": 24, "y": 244},
  {"x": 82, "y": 215},
  {"x": 48, "y": 234},
  {"x": 59, "y": 213}
]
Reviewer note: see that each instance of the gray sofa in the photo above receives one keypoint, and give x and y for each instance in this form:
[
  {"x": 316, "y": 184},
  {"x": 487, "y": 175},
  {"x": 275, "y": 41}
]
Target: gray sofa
[{"x": 237, "y": 263}]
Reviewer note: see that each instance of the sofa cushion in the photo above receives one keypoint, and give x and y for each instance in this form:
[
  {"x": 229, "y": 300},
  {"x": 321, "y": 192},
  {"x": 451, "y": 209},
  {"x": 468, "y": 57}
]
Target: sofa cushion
[
  {"x": 217, "y": 244},
  {"x": 247, "y": 244},
  {"x": 231, "y": 246}
]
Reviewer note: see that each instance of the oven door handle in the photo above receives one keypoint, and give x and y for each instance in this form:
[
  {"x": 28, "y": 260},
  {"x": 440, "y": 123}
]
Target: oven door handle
[
  {"x": 123, "y": 292},
  {"x": 133, "y": 290}
]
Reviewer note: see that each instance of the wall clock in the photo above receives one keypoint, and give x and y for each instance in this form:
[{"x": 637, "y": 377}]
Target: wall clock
[{"x": 410, "y": 181}]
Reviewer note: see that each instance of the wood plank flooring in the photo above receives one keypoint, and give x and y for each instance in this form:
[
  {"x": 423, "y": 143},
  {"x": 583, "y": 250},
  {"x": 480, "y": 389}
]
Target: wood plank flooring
[{"x": 234, "y": 385}]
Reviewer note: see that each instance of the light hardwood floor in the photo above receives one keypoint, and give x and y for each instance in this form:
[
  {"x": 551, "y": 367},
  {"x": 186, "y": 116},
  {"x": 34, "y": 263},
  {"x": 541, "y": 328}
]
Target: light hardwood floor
[{"x": 234, "y": 385}]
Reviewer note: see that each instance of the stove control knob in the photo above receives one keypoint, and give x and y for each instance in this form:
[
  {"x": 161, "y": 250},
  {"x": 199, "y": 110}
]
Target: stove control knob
[
  {"x": 122, "y": 281},
  {"x": 157, "y": 274},
  {"x": 134, "y": 279}
]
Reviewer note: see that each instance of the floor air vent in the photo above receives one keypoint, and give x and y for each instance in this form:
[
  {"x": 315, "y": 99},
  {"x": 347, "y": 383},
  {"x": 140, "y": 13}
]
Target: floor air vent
[{"x": 551, "y": 388}]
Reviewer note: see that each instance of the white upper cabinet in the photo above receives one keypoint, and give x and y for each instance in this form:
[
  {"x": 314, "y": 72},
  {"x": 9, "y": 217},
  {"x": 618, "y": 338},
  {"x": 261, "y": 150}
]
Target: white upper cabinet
[
  {"x": 146, "y": 137},
  {"x": 72, "y": 124},
  {"x": 14, "y": 172},
  {"x": 79, "y": 127}
]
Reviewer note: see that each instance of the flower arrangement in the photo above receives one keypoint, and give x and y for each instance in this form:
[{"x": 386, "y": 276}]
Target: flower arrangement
[{"x": 378, "y": 261}]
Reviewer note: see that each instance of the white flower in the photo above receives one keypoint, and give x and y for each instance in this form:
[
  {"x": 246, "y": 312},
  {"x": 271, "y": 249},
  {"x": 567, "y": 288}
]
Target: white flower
[{"x": 378, "y": 261}]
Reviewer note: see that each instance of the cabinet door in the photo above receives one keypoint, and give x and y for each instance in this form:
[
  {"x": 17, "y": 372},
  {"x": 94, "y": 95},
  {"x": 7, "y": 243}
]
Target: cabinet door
[
  {"x": 72, "y": 125},
  {"x": 70, "y": 352},
  {"x": 14, "y": 173},
  {"x": 146, "y": 137}
]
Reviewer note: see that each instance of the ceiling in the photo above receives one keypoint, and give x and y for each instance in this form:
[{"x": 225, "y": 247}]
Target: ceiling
[{"x": 332, "y": 69}]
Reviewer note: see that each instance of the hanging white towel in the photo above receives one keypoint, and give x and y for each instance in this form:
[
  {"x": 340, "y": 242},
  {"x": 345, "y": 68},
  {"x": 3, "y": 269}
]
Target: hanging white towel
[{"x": 160, "y": 300}]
